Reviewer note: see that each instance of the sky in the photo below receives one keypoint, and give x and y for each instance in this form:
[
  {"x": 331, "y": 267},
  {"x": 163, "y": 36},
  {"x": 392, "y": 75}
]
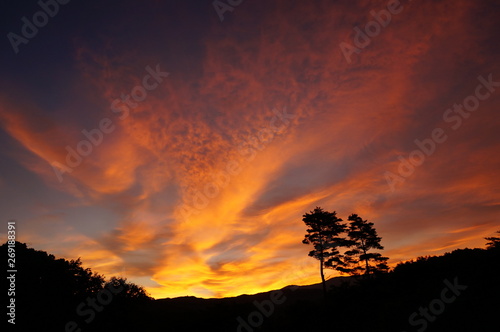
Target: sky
[{"x": 178, "y": 143}]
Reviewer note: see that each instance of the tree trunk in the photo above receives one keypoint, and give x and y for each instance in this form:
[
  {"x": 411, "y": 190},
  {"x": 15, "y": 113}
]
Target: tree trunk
[
  {"x": 322, "y": 277},
  {"x": 367, "y": 266},
  {"x": 321, "y": 266}
]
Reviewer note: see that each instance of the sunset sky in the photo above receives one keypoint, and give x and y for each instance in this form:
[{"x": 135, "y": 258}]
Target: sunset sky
[{"x": 161, "y": 144}]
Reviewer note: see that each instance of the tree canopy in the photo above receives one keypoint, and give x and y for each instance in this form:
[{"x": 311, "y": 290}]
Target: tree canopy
[
  {"x": 363, "y": 238},
  {"x": 328, "y": 234},
  {"x": 49, "y": 291},
  {"x": 493, "y": 242},
  {"x": 323, "y": 233}
]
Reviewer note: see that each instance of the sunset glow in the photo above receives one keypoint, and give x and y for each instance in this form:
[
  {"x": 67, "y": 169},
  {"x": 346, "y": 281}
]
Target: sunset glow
[{"x": 197, "y": 183}]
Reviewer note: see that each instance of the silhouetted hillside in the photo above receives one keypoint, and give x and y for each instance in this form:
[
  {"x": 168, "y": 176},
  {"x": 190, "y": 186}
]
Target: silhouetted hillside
[
  {"x": 384, "y": 304},
  {"x": 455, "y": 292}
]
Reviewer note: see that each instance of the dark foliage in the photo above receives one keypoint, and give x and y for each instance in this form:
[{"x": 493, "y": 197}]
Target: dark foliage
[
  {"x": 494, "y": 242},
  {"x": 49, "y": 290},
  {"x": 363, "y": 239},
  {"x": 323, "y": 233}
]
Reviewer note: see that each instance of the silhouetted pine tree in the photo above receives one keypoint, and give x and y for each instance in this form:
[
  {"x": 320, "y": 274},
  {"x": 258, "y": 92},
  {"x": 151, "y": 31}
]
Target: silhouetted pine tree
[
  {"x": 323, "y": 233},
  {"x": 494, "y": 242},
  {"x": 363, "y": 237}
]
